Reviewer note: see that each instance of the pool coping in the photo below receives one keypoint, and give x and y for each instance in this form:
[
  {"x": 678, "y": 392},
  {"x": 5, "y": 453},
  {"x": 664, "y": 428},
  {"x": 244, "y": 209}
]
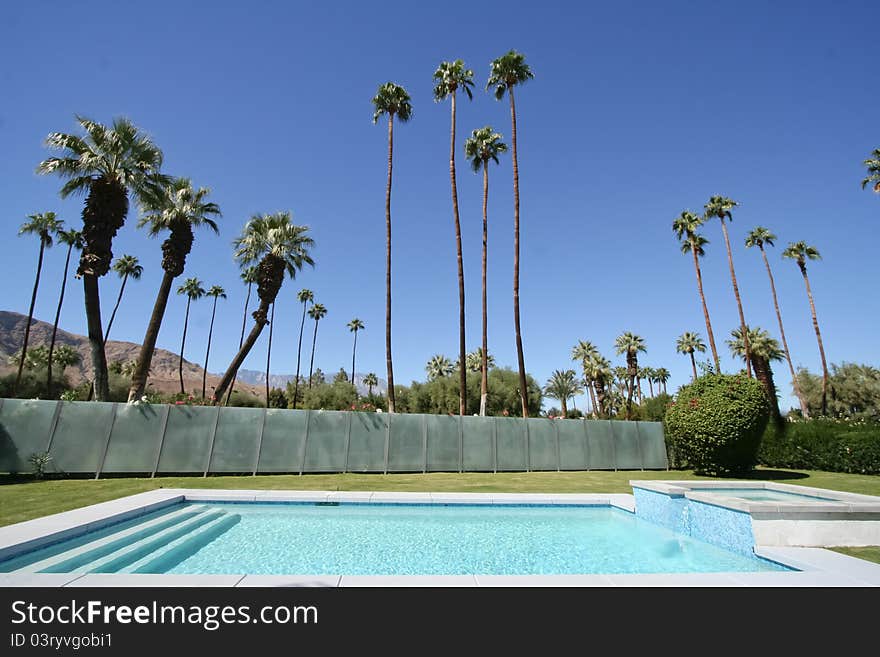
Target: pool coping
[{"x": 816, "y": 566}]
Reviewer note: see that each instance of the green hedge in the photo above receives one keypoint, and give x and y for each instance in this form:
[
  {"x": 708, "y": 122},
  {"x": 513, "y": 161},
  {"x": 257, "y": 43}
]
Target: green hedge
[{"x": 830, "y": 445}]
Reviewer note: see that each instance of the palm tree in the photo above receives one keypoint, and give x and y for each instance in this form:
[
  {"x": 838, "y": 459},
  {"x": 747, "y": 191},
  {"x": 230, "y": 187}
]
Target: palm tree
[
  {"x": 506, "y": 72},
  {"x": 648, "y": 374},
  {"x": 177, "y": 208},
  {"x": 474, "y": 360},
  {"x": 105, "y": 164},
  {"x": 304, "y": 297},
  {"x": 561, "y": 385},
  {"x": 370, "y": 380},
  {"x": 269, "y": 352},
  {"x": 317, "y": 312},
  {"x": 484, "y": 145},
  {"x": 759, "y": 237},
  {"x": 73, "y": 239},
  {"x": 218, "y": 293},
  {"x": 44, "y": 225},
  {"x": 585, "y": 352},
  {"x": 126, "y": 266},
  {"x": 248, "y": 276},
  {"x": 764, "y": 350},
  {"x": 630, "y": 344},
  {"x": 448, "y": 78},
  {"x": 391, "y": 99},
  {"x": 720, "y": 206},
  {"x": 685, "y": 228},
  {"x": 65, "y": 357},
  {"x": 661, "y": 377},
  {"x": 873, "y": 177},
  {"x": 800, "y": 252},
  {"x": 279, "y": 246},
  {"x": 354, "y": 326},
  {"x": 599, "y": 371},
  {"x": 439, "y": 366},
  {"x": 192, "y": 288},
  {"x": 688, "y": 343}
]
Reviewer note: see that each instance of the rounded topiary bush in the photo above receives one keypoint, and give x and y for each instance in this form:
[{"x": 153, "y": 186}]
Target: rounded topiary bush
[{"x": 716, "y": 423}]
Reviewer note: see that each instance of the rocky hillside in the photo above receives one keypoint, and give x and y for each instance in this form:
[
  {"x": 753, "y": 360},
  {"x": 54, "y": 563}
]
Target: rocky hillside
[{"x": 163, "y": 370}]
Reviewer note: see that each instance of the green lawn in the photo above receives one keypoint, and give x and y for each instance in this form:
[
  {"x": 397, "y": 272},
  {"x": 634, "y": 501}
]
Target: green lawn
[
  {"x": 22, "y": 498},
  {"x": 866, "y": 553}
]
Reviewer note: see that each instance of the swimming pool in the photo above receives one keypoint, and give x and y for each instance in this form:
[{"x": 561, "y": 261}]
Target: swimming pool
[
  {"x": 764, "y": 495},
  {"x": 383, "y": 539}
]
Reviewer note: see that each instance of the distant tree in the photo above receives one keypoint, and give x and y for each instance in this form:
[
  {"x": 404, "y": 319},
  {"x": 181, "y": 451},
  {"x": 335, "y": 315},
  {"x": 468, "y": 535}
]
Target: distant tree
[
  {"x": 305, "y": 297},
  {"x": 248, "y": 276},
  {"x": 873, "y": 177},
  {"x": 370, "y": 380},
  {"x": 855, "y": 391},
  {"x": 562, "y": 385},
  {"x": 216, "y": 292},
  {"x": 439, "y": 366},
  {"x": 630, "y": 344},
  {"x": 764, "y": 350},
  {"x": 127, "y": 267},
  {"x": 317, "y": 312},
  {"x": 341, "y": 376},
  {"x": 73, "y": 239},
  {"x": 354, "y": 326},
  {"x": 688, "y": 343},
  {"x": 192, "y": 288}
]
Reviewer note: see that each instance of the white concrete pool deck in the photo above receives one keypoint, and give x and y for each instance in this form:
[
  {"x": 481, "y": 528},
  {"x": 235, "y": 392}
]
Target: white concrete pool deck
[{"x": 817, "y": 566}]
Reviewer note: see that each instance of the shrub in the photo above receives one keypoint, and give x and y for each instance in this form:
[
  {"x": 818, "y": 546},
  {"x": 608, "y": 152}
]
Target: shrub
[
  {"x": 824, "y": 444},
  {"x": 716, "y": 423}
]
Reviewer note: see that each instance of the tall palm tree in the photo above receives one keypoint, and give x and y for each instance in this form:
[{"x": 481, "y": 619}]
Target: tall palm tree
[
  {"x": 248, "y": 276},
  {"x": 439, "y": 366},
  {"x": 354, "y": 326},
  {"x": 873, "y": 177},
  {"x": 764, "y": 350},
  {"x": 269, "y": 352},
  {"x": 370, "y": 380},
  {"x": 474, "y": 360},
  {"x": 44, "y": 225},
  {"x": 217, "y": 292},
  {"x": 177, "y": 208},
  {"x": 685, "y": 228},
  {"x": 126, "y": 266},
  {"x": 192, "y": 288},
  {"x": 561, "y": 385},
  {"x": 484, "y": 145},
  {"x": 506, "y": 72},
  {"x": 630, "y": 344},
  {"x": 759, "y": 237},
  {"x": 279, "y": 246},
  {"x": 602, "y": 376},
  {"x": 106, "y": 164},
  {"x": 720, "y": 206},
  {"x": 449, "y": 78},
  {"x": 317, "y": 312},
  {"x": 73, "y": 239},
  {"x": 304, "y": 297},
  {"x": 66, "y": 357},
  {"x": 661, "y": 377},
  {"x": 391, "y": 99},
  {"x": 647, "y": 374},
  {"x": 688, "y": 343},
  {"x": 800, "y": 252},
  {"x": 585, "y": 353}
]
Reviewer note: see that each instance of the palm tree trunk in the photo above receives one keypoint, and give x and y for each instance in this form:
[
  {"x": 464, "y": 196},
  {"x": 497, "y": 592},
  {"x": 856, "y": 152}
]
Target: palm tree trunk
[
  {"x": 523, "y": 386},
  {"x": 96, "y": 340},
  {"x": 818, "y": 339},
  {"x": 484, "y": 359},
  {"x": 353, "y": 352},
  {"x": 462, "y": 372},
  {"x": 182, "y": 344},
  {"x": 244, "y": 350},
  {"x": 269, "y": 352},
  {"x": 639, "y": 388},
  {"x": 312, "y": 361},
  {"x": 55, "y": 325},
  {"x": 693, "y": 364},
  {"x": 765, "y": 375},
  {"x": 632, "y": 368},
  {"x": 389, "y": 365},
  {"x": 247, "y": 301},
  {"x": 651, "y": 387},
  {"x": 299, "y": 345},
  {"x": 705, "y": 310},
  {"x": 592, "y": 390},
  {"x": 564, "y": 407},
  {"x": 139, "y": 378},
  {"x": 739, "y": 306},
  {"x": 794, "y": 382},
  {"x": 208, "y": 350},
  {"x": 27, "y": 328},
  {"x": 115, "y": 308}
]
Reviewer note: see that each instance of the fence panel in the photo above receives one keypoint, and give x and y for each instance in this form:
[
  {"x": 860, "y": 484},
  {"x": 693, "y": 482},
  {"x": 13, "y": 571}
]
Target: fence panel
[
  {"x": 478, "y": 444},
  {"x": 24, "y": 430},
  {"x": 237, "y": 439},
  {"x": 406, "y": 450},
  {"x": 366, "y": 447},
  {"x": 542, "y": 444},
  {"x": 134, "y": 441},
  {"x": 327, "y": 441},
  {"x": 628, "y": 454},
  {"x": 653, "y": 445},
  {"x": 187, "y": 439},
  {"x": 511, "y": 444},
  {"x": 572, "y": 444},
  {"x": 283, "y": 436},
  {"x": 600, "y": 445},
  {"x": 80, "y": 436},
  {"x": 444, "y": 443}
]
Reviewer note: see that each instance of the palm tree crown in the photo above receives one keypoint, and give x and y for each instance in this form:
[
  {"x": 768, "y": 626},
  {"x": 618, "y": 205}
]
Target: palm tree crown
[
  {"x": 483, "y": 145},
  {"x": 43, "y": 224},
  {"x": 507, "y": 71},
  {"x": 562, "y": 385},
  {"x": 128, "y": 266},
  {"x": 216, "y": 291},
  {"x": 629, "y": 343},
  {"x": 317, "y": 312},
  {"x": 303, "y": 296},
  {"x": 761, "y": 344},
  {"x": 688, "y": 343},
  {"x": 720, "y": 206},
  {"x": 392, "y": 99},
  {"x": 439, "y": 366},
  {"x": 355, "y": 325},
  {"x": 759, "y": 237},
  {"x": 192, "y": 288},
  {"x": 451, "y": 76},
  {"x": 800, "y": 252},
  {"x": 873, "y": 177},
  {"x": 70, "y": 238}
]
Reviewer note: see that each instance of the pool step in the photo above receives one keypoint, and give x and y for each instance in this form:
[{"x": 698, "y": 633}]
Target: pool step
[
  {"x": 134, "y": 551},
  {"x": 165, "y": 558},
  {"x": 64, "y": 562}
]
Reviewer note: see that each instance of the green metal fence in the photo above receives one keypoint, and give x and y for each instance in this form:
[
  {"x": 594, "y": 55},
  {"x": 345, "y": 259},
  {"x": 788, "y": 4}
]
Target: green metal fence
[{"x": 105, "y": 438}]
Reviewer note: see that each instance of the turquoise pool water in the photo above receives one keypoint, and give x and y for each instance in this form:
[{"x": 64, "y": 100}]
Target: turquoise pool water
[
  {"x": 763, "y": 494},
  {"x": 379, "y": 539}
]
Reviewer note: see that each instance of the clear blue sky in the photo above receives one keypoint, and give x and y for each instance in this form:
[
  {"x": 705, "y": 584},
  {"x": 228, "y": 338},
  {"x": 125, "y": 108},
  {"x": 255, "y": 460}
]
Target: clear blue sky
[{"x": 638, "y": 110}]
